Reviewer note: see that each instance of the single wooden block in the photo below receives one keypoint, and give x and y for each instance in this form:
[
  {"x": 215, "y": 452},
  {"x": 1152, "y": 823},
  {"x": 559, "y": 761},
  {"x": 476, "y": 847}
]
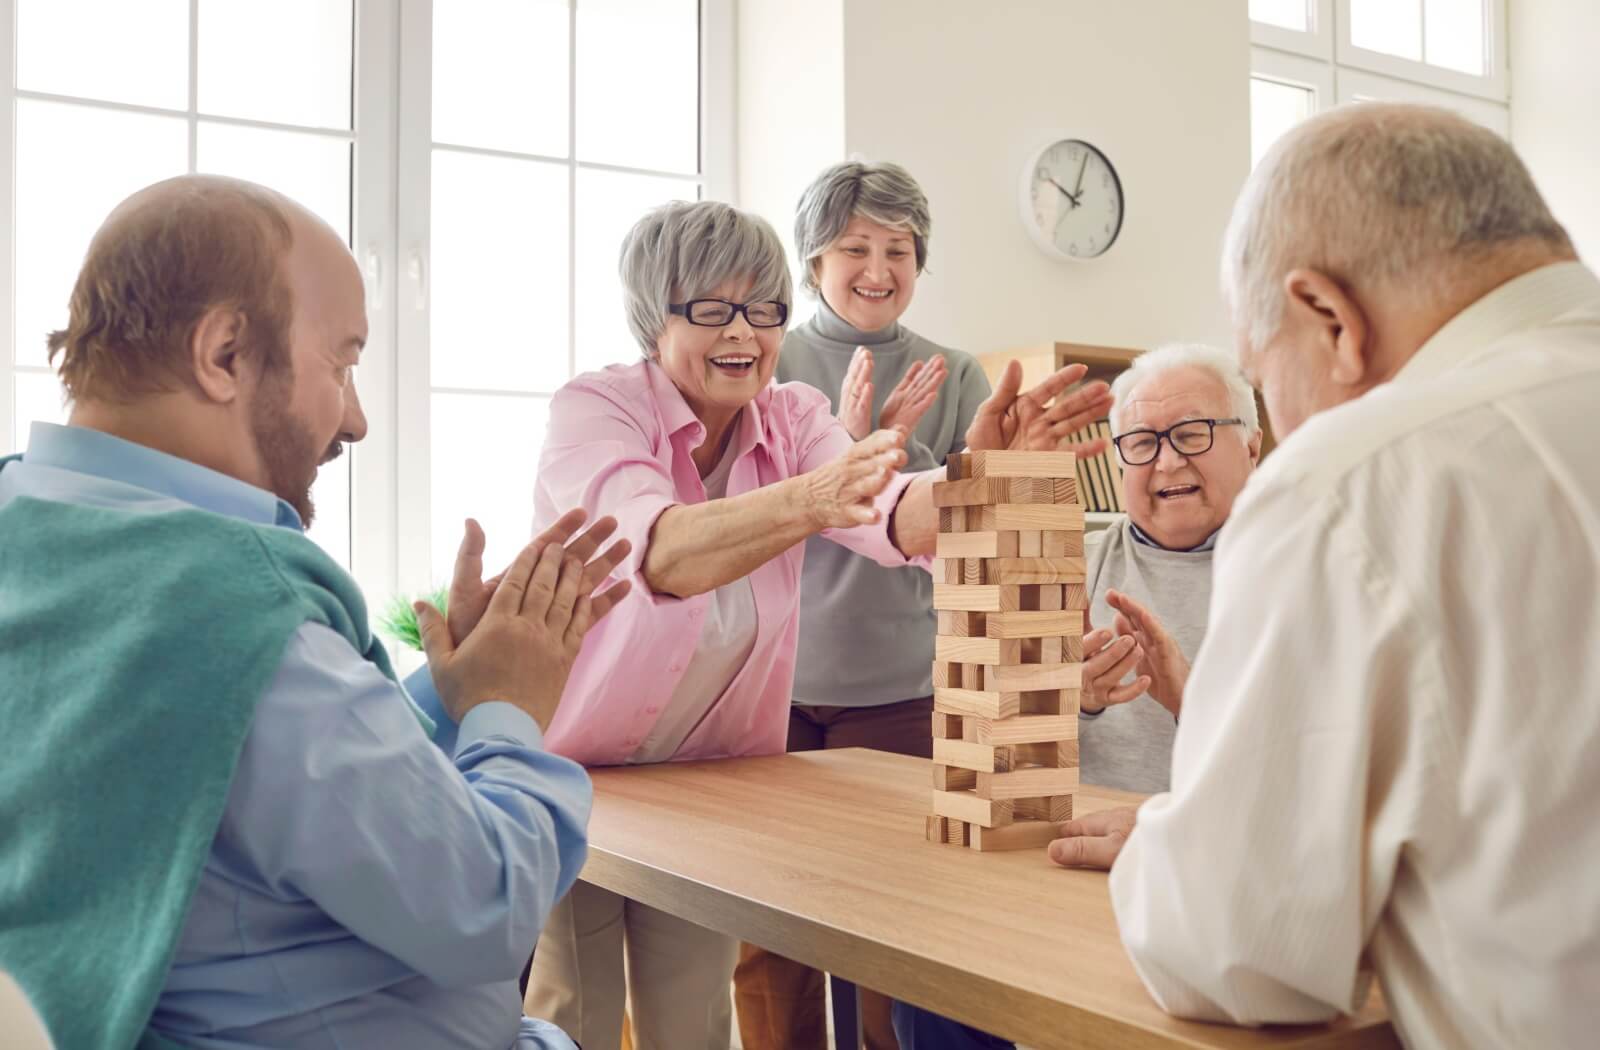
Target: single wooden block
[
  {"x": 1061, "y": 544},
  {"x": 1026, "y": 783},
  {"x": 975, "y": 545},
  {"x": 979, "y": 702},
  {"x": 1050, "y": 755},
  {"x": 1054, "y": 808},
  {"x": 1030, "y": 544},
  {"x": 959, "y": 624},
  {"x": 1044, "y": 624},
  {"x": 1028, "y": 834},
  {"x": 958, "y": 465},
  {"x": 1008, "y": 463},
  {"x": 992, "y": 598},
  {"x": 1057, "y": 516},
  {"x": 977, "y": 650},
  {"x": 962, "y": 754},
  {"x": 936, "y": 829},
  {"x": 975, "y": 571},
  {"x": 1075, "y": 596},
  {"x": 948, "y": 778},
  {"x": 946, "y": 674},
  {"x": 946, "y": 570},
  {"x": 1063, "y": 490},
  {"x": 1048, "y": 702},
  {"x": 972, "y": 676},
  {"x": 1023, "y": 678},
  {"x": 1025, "y": 729},
  {"x": 1037, "y": 570},
  {"x": 1068, "y": 751},
  {"x": 946, "y": 726},
  {"x": 1048, "y": 597},
  {"x": 969, "y": 732},
  {"x": 960, "y": 833},
  {"x": 962, "y": 805},
  {"x": 952, "y": 520}
]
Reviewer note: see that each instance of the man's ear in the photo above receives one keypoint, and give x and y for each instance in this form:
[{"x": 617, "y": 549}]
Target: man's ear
[
  {"x": 1255, "y": 448},
  {"x": 216, "y": 353},
  {"x": 1342, "y": 335}
]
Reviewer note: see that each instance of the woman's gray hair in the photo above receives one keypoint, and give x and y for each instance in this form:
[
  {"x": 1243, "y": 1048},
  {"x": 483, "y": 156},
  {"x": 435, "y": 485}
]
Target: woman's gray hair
[
  {"x": 884, "y": 193},
  {"x": 1376, "y": 193},
  {"x": 682, "y": 250},
  {"x": 1174, "y": 356}
]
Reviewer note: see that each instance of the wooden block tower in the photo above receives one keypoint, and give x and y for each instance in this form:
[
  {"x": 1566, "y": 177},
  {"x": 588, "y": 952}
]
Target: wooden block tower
[{"x": 1008, "y": 587}]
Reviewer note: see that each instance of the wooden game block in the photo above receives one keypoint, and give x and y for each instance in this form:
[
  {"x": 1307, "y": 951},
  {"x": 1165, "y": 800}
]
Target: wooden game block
[
  {"x": 1048, "y": 702},
  {"x": 1024, "y": 678},
  {"x": 958, "y": 465},
  {"x": 1033, "y": 624},
  {"x": 1030, "y": 544},
  {"x": 1053, "y": 597},
  {"x": 972, "y": 676},
  {"x": 1049, "y": 754},
  {"x": 952, "y": 520},
  {"x": 946, "y": 675},
  {"x": 1059, "y": 543},
  {"x": 975, "y": 571},
  {"x": 946, "y": 726},
  {"x": 1026, "y": 783},
  {"x": 946, "y": 570},
  {"x": 959, "y": 624},
  {"x": 975, "y": 545},
  {"x": 937, "y": 829},
  {"x": 1054, "y": 516},
  {"x": 1075, "y": 596},
  {"x": 980, "y": 492},
  {"x": 948, "y": 778},
  {"x": 962, "y": 805},
  {"x": 1053, "y": 808},
  {"x": 1024, "y": 729},
  {"x": 1008, "y": 463},
  {"x": 977, "y": 702},
  {"x": 977, "y": 650},
  {"x": 1063, "y": 490},
  {"x": 1028, "y": 834},
  {"x": 981, "y": 758},
  {"x": 991, "y": 598},
  {"x": 1037, "y": 570},
  {"x": 1049, "y": 597}
]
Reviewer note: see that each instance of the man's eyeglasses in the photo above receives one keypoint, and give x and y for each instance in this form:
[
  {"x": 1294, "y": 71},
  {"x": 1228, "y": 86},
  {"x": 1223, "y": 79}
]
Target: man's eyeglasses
[
  {"x": 714, "y": 313},
  {"x": 1192, "y": 437}
]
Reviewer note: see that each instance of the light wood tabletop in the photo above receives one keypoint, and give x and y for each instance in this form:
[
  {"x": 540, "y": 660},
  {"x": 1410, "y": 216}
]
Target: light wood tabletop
[{"x": 820, "y": 856}]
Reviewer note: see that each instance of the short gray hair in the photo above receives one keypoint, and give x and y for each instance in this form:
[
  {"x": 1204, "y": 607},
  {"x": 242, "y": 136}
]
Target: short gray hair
[
  {"x": 883, "y": 193},
  {"x": 685, "y": 249},
  {"x": 1224, "y": 366},
  {"x": 1372, "y": 193}
]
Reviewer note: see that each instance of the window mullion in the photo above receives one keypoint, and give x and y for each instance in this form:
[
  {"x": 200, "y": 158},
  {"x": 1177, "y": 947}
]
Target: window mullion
[{"x": 8, "y": 169}]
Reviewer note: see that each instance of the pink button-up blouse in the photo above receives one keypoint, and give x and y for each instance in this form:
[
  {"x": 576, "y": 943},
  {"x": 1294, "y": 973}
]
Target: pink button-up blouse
[{"x": 619, "y": 444}]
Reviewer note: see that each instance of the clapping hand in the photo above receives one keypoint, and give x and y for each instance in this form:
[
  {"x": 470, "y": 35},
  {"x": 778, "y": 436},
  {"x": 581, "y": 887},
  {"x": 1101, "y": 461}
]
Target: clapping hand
[{"x": 1042, "y": 419}]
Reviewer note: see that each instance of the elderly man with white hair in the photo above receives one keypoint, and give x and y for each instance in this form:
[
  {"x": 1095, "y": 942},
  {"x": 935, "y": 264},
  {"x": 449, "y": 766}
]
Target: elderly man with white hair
[{"x": 1388, "y": 748}]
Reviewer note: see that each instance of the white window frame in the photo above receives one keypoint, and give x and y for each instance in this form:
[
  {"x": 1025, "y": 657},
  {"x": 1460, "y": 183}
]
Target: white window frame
[
  {"x": 1493, "y": 84},
  {"x": 1316, "y": 42},
  {"x": 1354, "y": 84}
]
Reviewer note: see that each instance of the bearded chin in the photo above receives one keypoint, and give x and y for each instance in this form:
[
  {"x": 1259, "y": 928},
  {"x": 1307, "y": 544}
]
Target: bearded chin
[{"x": 290, "y": 455}]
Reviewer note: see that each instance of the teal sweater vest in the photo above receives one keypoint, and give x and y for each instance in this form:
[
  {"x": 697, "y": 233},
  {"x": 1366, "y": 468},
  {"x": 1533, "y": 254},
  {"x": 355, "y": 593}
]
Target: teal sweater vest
[{"x": 133, "y": 649}]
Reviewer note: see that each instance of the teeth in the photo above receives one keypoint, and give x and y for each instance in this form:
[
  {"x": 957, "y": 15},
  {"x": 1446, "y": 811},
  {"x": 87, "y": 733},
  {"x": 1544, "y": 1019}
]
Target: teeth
[
  {"x": 871, "y": 293},
  {"x": 733, "y": 360}
]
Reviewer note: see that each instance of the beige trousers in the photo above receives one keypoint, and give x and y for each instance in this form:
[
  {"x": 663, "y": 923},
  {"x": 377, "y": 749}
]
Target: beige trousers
[{"x": 676, "y": 976}]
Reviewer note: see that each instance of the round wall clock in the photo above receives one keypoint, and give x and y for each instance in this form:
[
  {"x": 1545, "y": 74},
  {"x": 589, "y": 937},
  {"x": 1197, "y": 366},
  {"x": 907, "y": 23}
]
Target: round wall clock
[{"x": 1071, "y": 200}]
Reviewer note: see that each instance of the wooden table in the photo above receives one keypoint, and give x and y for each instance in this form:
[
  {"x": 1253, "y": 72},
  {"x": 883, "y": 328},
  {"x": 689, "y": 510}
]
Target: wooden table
[{"x": 820, "y": 856}]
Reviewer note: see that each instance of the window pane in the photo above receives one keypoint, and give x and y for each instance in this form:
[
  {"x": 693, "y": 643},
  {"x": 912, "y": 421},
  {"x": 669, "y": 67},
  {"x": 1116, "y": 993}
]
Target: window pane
[
  {"x": 311, "y": 169},
  {"x": 499, "y": 297},
  {"x": 485, "y": 456},
  {"x": 1393, "y": 27},
  {"x": 38, "y": 399},
  {"x": 500, "y": 72},
  {"x": 246, "y": 47},
  {"x": 1274, "y": 109},
  {"x": 110, "y": 49},
  {"x": 1288, "y": 14},
  {"x": 609, "y": 203},
  {"x": 330, "y": 495},
  {"x": 56, "y": 216},
  {"x": 657, "y": 127},
  {"x": 1455, "y": 34}
]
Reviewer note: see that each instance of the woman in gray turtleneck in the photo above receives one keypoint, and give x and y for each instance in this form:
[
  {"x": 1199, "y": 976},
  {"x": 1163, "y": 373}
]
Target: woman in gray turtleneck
[{"x": 866, "y": 633}]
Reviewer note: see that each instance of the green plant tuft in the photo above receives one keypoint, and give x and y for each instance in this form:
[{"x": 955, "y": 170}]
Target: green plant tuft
[{"x": 399, "y": 620}]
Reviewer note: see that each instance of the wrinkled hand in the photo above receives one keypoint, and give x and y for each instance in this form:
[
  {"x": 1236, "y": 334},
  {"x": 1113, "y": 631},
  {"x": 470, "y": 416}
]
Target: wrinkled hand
[
  {"x": 470, "y": 593},
  {"x": 855, "y": 395},
  {"x": 523, "y": 646},
  {"x": 1093, "y": 841},
  {"x": 1161, "y": 663},
  {"x": 1012, "y": 420},
  {"x": 1107, "y": 660},
  {"x": 839, "y": 495},
  {"x": 916, "y": 392}
]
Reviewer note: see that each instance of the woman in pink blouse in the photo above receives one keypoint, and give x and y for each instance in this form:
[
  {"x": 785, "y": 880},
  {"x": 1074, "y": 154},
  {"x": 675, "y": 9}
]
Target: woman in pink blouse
[{"x": 716, "y": 476}]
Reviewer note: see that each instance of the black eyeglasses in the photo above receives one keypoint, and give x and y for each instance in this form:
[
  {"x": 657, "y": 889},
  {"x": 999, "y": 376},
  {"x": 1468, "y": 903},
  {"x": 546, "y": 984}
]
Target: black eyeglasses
[
  {"x": 1192, "y": 437},
  {"x": 714, "y": 313}
]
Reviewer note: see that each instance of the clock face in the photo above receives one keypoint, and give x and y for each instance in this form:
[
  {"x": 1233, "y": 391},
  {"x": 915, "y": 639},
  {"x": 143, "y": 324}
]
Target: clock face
[{"x": 1072, "y": 200}]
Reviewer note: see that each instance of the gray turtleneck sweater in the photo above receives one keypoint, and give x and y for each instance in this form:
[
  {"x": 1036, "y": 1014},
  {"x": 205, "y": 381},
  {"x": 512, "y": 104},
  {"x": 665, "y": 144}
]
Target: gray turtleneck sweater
[{"x": 866, "y": 631}]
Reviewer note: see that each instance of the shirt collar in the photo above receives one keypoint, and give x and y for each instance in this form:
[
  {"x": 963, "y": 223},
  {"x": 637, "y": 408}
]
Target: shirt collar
[
  {"x": 1141, "y": 536},
  {"x": 1531, "y": 300},
  {"x": 676, "y": 415},
  {"x": 98, "y": 454}
]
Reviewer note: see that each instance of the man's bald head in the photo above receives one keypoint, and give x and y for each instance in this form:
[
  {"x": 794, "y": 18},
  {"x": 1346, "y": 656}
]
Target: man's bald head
[{"x": 163, "y": 258}]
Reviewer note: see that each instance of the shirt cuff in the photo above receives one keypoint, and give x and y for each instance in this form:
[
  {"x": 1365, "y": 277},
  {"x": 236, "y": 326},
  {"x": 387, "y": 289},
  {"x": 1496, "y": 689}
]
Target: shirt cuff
[{"x": 498, "y": 718}]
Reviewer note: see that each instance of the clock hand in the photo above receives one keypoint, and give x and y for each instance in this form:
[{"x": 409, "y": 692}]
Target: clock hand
[
  {"x": 1069, "y": 194},
  {"x": 1078, "y": 190}
]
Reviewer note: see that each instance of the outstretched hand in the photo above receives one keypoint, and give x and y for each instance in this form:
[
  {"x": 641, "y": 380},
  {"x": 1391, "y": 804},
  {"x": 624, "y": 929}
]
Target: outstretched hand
[{"x": 1043, "y": 419}]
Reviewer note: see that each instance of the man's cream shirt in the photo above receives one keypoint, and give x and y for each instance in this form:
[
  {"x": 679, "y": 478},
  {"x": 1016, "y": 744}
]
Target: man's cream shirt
[{"x": 1389, "y": 753}]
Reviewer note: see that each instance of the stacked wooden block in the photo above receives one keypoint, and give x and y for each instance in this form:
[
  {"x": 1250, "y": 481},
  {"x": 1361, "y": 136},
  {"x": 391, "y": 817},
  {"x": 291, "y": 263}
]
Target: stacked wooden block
[{"x": 1009, "y": 591}]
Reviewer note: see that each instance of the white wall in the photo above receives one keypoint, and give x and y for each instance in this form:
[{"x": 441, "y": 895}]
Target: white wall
[
  {"x": 1555, "y": 109},
  {"x": 960, "y": 91}
]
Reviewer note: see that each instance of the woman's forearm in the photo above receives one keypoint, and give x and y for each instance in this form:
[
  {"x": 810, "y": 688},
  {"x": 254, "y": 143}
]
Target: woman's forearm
[
  {"x": 698, "y": 547},
  {"x": 914, "y": 525}
]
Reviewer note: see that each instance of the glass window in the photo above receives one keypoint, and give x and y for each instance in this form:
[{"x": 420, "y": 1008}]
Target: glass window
[
  {"x": 39, "y": 399},
  {"x": 656, "y": 128},
  {"x": 137, "y": 53},
  {"x": 1455, "y": 35},
  {"x": 1285, "y": 14},
  {"x": 1393, "y": 27},
  {"x": 284, "y": 61},
  {"x": 500, "y": 75},
  {"x": 1275, "y": 108},
  {"x": 495, "y": 489}
]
